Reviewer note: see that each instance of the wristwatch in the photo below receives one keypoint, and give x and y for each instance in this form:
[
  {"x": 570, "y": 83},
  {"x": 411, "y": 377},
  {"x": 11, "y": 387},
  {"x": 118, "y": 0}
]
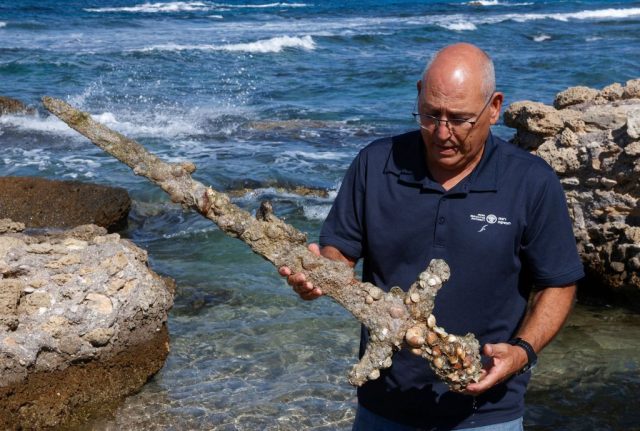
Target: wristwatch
[{"x": 532, "y": 358}]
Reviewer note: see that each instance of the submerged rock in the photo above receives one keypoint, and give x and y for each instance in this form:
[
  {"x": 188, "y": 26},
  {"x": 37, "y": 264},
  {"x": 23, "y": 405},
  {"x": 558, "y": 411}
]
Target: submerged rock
[
  {"x": 82, "y": 324},
  {"x": 13, "y": 106},
  {"x": 592, "y": 140},
  {"x": 40, "y": 203}
]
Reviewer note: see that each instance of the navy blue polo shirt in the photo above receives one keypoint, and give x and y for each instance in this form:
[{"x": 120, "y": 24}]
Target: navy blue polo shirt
[{"x": 502, "y": 229}]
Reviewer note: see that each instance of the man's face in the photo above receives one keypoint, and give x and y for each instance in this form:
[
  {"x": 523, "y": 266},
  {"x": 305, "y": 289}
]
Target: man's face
[{"x": 454, "y": 148}]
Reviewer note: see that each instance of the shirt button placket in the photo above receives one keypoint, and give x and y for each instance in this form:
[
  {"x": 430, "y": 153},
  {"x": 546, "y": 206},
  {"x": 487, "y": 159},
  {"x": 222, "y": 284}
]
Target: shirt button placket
[{"x": 441, "y": 223}]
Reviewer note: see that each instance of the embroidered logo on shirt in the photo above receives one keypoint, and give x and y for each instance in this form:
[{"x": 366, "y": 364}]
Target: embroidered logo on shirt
[{"x": 489, "y": 219}]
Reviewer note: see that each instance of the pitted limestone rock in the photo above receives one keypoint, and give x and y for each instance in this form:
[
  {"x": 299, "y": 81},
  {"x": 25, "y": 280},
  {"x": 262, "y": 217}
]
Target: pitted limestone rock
[
  {"x": 58, "y": 311},
  {"x": 599, "y": 164}
]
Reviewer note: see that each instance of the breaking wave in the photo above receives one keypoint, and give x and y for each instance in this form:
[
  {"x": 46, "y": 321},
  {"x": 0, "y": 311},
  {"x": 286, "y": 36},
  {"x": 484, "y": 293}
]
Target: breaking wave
[
  {"x": 156, "y": 7},
  {"x": 541, "y": 37},
  {"x": 261, "y": 6},
  {"x": 461, "y": 22},
  {"x": 153, "y": 125},
  {"x": 582, "y": 15},
  {"x": 459, "y": 26},
  {"x": 272, "y": 45},
  {"x": 195, "y": 6},
  {"x": 495, "y": 3}
]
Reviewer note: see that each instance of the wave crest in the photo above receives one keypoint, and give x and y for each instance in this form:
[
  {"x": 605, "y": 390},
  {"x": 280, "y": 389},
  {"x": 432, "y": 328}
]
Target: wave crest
[
  {"x": 193, "y": 6},
  {"x": 495, "y": 3},
  {"x": 156, "y": 7},
  {"x": 459, "y": 26},
  {"x": 261, "y": 6},
  {"x": 272, "y": 45}
]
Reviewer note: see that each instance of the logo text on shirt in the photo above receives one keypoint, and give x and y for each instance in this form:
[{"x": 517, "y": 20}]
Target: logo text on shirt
[{"x": 489, "y": 219}]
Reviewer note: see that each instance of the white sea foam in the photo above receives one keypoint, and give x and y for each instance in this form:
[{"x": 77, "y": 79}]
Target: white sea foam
[
  {"x": 483, "y": 3},
  {"x": 274, "y": 44},
  {"x": 215, "y": 17},
  {"x": 541, "y": 37},
  {"x": 18, "y": 157},
  {"x": 316, "y": 212},
  {"x": 156, "y": 124},
  {"x": 36, "y": 123},
  {"x": 592, "y": 38},
  {"x": 316, "y": 155},
  {"x": 80, "y": 165},
  {"x": 157, "y": 7},
  {"x": 260, "y": 6},
  {"x": 459, "y": 26},
  {"x": 194, "y": 6},
  {"x": 2, "y": 24},
  {"x": 601, "y": 14},
  {"x": 495, "y": 3},
  {"x": 190, "y": 232},
  {"x": 459, "y": 22}
]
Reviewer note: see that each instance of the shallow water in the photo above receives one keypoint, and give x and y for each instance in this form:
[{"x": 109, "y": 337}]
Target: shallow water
[{"x": 270, "y": 96}]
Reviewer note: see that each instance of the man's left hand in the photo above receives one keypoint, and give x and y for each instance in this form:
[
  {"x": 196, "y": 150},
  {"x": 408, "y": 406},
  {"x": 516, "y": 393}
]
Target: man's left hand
[{"x": 504, "y": 361}]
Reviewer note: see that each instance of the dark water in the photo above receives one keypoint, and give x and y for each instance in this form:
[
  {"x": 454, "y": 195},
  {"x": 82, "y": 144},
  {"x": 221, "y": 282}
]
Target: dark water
[{"x": 274, "y": 95}]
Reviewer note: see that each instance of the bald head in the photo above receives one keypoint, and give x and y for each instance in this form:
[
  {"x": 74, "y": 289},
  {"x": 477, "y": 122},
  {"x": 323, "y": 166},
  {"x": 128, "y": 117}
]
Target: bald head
[{"x": 462, "y": 64}]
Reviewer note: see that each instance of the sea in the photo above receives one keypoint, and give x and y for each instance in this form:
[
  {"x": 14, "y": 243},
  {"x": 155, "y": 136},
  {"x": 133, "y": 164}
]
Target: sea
[{"x": 272, "y": 100}]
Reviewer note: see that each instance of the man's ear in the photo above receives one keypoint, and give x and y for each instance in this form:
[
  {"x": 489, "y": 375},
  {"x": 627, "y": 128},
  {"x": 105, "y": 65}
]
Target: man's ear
[{"x": 496, "y": 106}]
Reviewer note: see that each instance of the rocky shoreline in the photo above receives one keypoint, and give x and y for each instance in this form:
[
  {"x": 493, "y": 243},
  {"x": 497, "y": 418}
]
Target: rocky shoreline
[
  {"x": 83, "y": 324},
  {"x": 591, "y": 139},
  {"x": 83, "y": 320},
  {"x": 45, "y": 203}
]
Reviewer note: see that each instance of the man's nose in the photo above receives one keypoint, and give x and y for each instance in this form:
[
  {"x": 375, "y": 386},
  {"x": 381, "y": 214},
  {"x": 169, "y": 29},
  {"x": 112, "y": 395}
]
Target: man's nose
[{"x": 442, "y": 130}]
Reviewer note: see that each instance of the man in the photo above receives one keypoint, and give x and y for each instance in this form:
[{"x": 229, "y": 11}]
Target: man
[{"x": 495, "y": 213}]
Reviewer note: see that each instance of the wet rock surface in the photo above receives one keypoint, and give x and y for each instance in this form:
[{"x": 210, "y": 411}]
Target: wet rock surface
[
  {"x": 14, "y": 106},
  {"x": 40, "y": 203},
  {"x": 592, "y": 140},
  {"x": 82, "y": 324}
]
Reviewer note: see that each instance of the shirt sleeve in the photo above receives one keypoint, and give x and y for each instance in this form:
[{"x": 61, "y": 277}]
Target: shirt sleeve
[
  {"x": 344, "y": 226},
  {"x": 549, "y": 246}
]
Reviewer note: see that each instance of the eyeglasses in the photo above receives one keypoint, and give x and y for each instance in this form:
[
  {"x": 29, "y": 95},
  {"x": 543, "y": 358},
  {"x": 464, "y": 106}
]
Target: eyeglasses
[{"x": 455, "y": 125}]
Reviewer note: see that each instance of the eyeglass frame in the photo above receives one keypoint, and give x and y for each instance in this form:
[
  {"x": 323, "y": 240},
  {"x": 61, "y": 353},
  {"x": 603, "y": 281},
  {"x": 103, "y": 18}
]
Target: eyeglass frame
[{"x": 418, "y": 117}]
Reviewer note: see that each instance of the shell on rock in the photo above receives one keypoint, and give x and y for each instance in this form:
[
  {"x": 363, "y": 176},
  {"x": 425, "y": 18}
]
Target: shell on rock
[
  {"x": 440, "y": 331},
  {"x": 438, "y": 362},
  {"x": 431, "y": 338},
  {"x": 396, "y": 312},
  {"x": 431, "y": 321},
  {"x": 375, "y": 292},
  {"x": 415, "y": 336}
]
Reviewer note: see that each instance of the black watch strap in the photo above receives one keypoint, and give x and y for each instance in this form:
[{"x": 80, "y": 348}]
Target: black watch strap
[{"x": 532, "y": 357}]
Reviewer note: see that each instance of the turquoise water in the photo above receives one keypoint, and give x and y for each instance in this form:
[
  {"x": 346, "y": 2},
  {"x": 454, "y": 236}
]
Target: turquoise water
[{"x": 273, "y": 95}]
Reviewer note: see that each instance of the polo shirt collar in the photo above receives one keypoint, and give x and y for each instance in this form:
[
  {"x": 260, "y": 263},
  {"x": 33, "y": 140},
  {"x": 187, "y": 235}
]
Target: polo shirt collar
[{"x": 407, "y": 161}]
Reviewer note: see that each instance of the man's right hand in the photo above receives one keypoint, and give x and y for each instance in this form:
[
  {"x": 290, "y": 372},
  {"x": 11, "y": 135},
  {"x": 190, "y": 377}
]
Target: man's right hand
[{"x": 298, "y": 281}]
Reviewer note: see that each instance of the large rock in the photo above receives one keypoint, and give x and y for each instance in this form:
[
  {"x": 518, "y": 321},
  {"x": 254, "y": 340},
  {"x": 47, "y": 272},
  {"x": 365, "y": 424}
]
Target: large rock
[
  {"x": 82, "y": 325},
  {"x": 13, "y": 106},
  {"x": 39, "y": 203},
  {"x": 593, "y": 143}
]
